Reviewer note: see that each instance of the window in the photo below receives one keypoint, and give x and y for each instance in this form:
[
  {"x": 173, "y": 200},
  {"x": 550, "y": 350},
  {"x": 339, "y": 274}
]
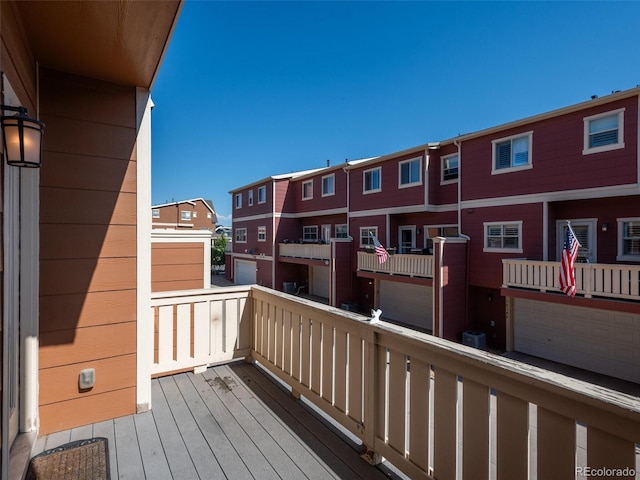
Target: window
[
  {"x": 241, "y": 235},
  {"x": 449, "y": 169},
  {"x": 238, "y": 200},
  {"x": 366, "y": 236},
  {"x": 629, "y": 239},
  {"x": 442, "y": 231},
  {"x": 185, "y": 215},
  {"x": 156, "y": 213},
  {"x": 410, "y": 172},
  {"x": 328, "y": 185},
  {"x": 512, "y": 153},
  {"x": 371, "y": 180},
  {"x": 310, "y": 234},
  {"x": 342, "y": 231},
  {"x": 262, "y": 194},
  {"x": 503, "y": 237},
  {"x": 250, "y": 197},
  {"x": 262, "y": 234},
  {"x": 307, "y": 190},
  {"x": 195, "y": 214},
  {"x": 208, "y": 214},
  {"x": 604, "y": 132}
]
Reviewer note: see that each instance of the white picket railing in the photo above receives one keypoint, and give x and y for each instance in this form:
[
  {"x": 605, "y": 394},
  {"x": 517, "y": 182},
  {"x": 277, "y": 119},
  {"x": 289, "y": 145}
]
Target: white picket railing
[
  {"x": 306, "y": 250},
  {"x": 592, "y": 279},
  {"x": 401, "y": 264},
  {"x": 197, "y": 328}
]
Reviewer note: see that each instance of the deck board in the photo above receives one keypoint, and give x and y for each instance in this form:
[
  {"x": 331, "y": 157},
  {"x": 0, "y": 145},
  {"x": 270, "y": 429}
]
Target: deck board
[{"x": 228, "y": 422}]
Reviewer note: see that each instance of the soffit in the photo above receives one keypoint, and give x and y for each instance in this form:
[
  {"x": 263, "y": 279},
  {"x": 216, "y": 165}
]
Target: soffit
[{"x": 117, "y": 41}]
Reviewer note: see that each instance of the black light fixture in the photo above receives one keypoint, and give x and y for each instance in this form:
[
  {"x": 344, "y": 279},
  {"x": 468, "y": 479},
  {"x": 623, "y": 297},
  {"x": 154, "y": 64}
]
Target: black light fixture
[{"x": 22, "y": 138}]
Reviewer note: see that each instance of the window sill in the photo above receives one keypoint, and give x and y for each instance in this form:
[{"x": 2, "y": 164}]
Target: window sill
[
  {"x": 511, "y": 169},
  {"x": 502, "y": 250},
  {"x": 605, "y": 148}
]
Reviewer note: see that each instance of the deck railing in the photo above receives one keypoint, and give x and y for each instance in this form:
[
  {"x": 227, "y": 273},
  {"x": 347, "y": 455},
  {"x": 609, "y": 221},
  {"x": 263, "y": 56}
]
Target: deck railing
[
  {"x": 429, "y": 406},
  {"x": 401, "y": 264},
  {"x": 313, "y": 251},
  {"x": 592, "y": 279}
]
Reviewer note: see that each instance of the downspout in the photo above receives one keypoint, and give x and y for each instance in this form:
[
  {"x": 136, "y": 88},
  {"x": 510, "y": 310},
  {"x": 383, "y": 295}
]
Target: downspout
[{"x": 460, "y": 234}]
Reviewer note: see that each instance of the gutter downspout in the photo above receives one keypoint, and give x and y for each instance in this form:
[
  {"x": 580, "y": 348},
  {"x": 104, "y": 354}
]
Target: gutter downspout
[{"x": 460, "y": 234}]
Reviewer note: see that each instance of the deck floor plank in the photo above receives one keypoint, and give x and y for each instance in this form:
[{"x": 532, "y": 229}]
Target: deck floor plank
[
  {"x": 154, "y": 459},
  {"x": 177, "y": 454},
  {"x": 230, "y": 422},
  {"x": 201, "y": 454}
]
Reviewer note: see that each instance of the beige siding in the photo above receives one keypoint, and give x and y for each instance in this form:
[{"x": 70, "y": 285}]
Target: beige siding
[
  {"x": 176, "y": 266},
  {"x": 88, "y": 250}
]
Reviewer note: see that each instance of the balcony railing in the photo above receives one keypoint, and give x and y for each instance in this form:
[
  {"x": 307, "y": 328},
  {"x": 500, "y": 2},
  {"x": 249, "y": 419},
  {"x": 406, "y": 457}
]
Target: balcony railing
[
  {"x": 425, "y": 404},
  {"x": 409, "y": 265},
  {"x": 312, "y": 251},
  {"x": 592, "y": 279}
]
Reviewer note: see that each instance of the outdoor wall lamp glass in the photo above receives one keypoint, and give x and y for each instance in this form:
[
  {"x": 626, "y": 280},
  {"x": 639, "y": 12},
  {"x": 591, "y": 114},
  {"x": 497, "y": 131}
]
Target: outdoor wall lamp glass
[{"x": 22, "y": 137}]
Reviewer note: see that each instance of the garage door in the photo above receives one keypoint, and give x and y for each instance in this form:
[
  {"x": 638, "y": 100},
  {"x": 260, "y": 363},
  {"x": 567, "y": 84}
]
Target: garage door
[
  {"x": 597, "y": 340},
  {"x": 320, "y": 281},
  {"x": 245, "y": 272},
  {"x": 407, "y": 303}
]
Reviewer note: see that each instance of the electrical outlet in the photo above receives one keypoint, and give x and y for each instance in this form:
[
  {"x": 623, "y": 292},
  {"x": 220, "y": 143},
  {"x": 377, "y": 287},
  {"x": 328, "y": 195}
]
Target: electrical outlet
[{"x": 87, "y": 378}]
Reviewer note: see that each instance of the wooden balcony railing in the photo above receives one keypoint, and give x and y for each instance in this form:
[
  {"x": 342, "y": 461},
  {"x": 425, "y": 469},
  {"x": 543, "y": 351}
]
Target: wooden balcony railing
[
  {"x": 427, "y": 405},
  {"x": 306, "y": 250},
  {"x": 402, "y": 264},
  {"x": 592, "y": 279}
]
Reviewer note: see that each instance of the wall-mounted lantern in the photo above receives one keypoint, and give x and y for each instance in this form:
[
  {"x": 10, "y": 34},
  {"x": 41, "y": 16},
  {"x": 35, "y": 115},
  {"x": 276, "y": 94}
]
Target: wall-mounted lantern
[{"x": 22, "y": 137}]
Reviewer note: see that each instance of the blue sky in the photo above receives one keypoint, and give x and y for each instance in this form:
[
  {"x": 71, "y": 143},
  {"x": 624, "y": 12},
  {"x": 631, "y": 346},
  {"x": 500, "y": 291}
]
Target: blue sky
[{"x": 253, "y": 89}]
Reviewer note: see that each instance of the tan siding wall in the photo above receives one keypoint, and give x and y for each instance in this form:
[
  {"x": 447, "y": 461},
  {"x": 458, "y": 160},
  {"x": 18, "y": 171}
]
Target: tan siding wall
[
  {"x": 176, "y": 266},
  {"x": 87, "y": 251}
]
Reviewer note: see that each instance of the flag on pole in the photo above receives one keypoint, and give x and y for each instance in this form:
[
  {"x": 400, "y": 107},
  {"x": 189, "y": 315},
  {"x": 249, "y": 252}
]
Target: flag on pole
[
  {"x": 567, "y": 269},
  {"x": 382, "y": 254}
]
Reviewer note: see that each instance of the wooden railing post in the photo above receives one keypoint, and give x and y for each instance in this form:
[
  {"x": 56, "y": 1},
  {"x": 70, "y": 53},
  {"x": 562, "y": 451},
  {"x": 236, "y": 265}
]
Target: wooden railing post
[{"x": 370, "y": 398}]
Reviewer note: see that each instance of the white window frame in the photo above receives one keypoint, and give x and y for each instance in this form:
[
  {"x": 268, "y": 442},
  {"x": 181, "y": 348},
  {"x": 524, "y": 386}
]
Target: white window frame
[
  {"x": 327, "y": 193},
  {"x": 428, "y": 239},
  {"x": 368, "y": 231},
  {"x": 250, "y": 198},
  {"x": 517, "y": 223},
  {"x": 195, "y": 214},
  {"x": 621, "y": 256},
  {"x": 512, "y": 168},
  {"x": 238, "y": 200},
  {"x": 409, "y": 162},
  {"x": 185, "y": 215},
  {"x": 310, "y": 233},
  {"x": 604, "y": 148},
  {"x": 155, "y": 213},
  {"x": 364, "y": 181},
  {"x": 443, "y": 160},
  {"x": 262, "y": 194},
  {"x": 240, "y": 235},
  {"x": 262, "y": 233},
  {"x": 307, "y": 190},
  {"x": 342, "y": 230},
  {"x": 208, "y": 214}
]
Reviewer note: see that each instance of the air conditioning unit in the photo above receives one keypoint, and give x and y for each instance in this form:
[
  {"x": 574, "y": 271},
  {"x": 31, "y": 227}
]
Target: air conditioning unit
[{"x": 474, "y": 339}]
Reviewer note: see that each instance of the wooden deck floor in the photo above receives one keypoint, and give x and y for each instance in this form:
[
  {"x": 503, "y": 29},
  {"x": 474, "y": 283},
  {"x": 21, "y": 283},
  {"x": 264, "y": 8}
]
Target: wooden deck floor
[{"x": 230, "y": 422}]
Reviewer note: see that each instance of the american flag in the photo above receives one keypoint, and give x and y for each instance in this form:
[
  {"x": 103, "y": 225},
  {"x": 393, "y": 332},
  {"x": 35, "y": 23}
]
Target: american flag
[
  {"x": 567, "y": 270},
  {"x": 382, "y": 254}
]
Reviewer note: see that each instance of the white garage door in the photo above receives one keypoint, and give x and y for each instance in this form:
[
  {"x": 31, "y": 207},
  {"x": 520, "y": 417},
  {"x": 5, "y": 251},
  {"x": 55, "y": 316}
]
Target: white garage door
[
  {"x": 245, "y": 272},
  {"x": 601, "y": 341},
  {"x": 407, "y": 303},
  {"x": 320, "y": 281}
]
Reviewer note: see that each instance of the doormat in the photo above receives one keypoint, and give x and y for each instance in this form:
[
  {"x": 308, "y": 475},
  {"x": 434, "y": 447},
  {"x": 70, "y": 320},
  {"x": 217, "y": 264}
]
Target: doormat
[{"x": 79, "y": 460}]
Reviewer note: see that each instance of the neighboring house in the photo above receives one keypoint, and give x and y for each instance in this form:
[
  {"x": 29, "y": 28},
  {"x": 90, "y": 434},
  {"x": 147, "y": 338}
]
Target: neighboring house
[
  {"x": 196, "y": 214},
  {"x": 77, "y": 231},
  {"x": 475, "y": 225}
]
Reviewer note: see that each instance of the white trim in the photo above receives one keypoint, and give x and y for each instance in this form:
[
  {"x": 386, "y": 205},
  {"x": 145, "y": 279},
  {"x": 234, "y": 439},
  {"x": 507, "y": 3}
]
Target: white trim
[
  {"x": 373, "y": 190},
  {"x": 237, "y": 201},
  {"x": 410, "y": 184},
  {"x": 250, "y": 197},
  {"x": 262, "y": 187},
  {"x": 333, "y": 184},
  {"x": 174, "y": 225},
  {"x": 442, "y": 160},
  {"x": 144, "y": 325},
  {"x": 619, "y": 256},
  {"x": 487, "y": 249},
  {"x": 191, "y": 201},
  {"x": 310, "y": 196},
  {"x": 235, "y": 235},
  {"x": 512, "y": 168},
  {"x": 362, "y": 245},
  {"x": 406, "y": 209},
  {"x": 265, "y": 233},
  {"x": 604, "y": 148}
]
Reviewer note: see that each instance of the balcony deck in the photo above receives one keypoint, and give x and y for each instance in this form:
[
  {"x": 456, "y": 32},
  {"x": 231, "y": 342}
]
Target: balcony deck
[{"x": 231, "y": 421}]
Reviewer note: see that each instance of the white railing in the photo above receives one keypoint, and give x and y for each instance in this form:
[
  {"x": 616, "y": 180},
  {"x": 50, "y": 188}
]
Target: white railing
[
  {"x": 197, "y": 328},
  {"x": 426, "y": 404},
  {"x": 410, "y": 265},
  {"x": 391, "y": 386},
  {"x": 306, "y": 250},
  {"x": 592, "y": 279}
]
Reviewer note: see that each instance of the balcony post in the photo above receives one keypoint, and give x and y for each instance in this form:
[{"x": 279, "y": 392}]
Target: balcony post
[{"x": 370, "y": 396}]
